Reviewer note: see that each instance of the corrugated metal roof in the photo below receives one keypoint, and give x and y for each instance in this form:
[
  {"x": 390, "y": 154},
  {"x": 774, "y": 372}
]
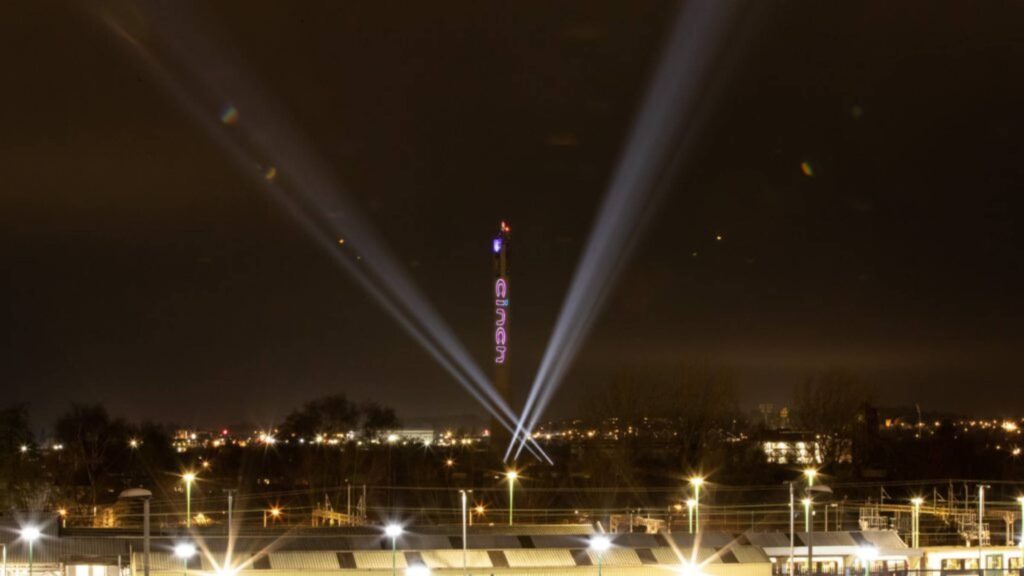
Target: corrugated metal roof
[
  {"x": 436, "y": 559},
  {"x": 304, "y": 560},
  {"x": 617, "y": 557},
  {"x": 560, "y": 541},
  {"x": 379, "y": 560},
  {"x": 546, "y": 558}
]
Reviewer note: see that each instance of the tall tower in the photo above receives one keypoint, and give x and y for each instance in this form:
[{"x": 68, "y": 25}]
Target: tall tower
[{"x": 501, "y": 298}]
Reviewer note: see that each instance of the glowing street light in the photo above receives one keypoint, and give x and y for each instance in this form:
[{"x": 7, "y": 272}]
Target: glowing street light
[
  {"x": 867, "y": 555},
  {"x": 600, "y": 545},
  {"x": 29, "y": 534},
  {"x": 810, "y": 474},
  {"x": 690, "y": 505},
  {"x": 393, "y": 531},
  {"x": 696, "y": 482},
  {"x": 511, "y": 475},
  {"x": 189, "y": 478},
  {"x": 273, "y": 514},
  {"x": 185, "y": 550},
  {"x": 915, "y": 522}
]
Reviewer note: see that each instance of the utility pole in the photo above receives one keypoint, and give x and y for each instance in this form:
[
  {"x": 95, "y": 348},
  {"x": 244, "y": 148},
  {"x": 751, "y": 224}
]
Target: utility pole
[{"x": 792, "y": 527}]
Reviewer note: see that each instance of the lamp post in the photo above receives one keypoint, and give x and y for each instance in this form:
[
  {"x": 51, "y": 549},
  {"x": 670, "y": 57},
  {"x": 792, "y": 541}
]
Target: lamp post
[
  {"x": 915, "y": 522},
  {"x": 696, "y": 482},
  {"x": 511, "y": 475},
  {"x": 184, "y": 550},
  {"x": 393, "y": 531},
  {"x": 600, "y": 545},
  {"x": 810, "y": 474},
  {"x": 809, "y": 493},
  {"x": 465, "y": 503},
  {"x": 981, "y": 519},
  {"x": 1021, "y": 500},
  {"x": 189, "y": 478},
  {"x": 792, "y": 526},
  {"x": 690, "y": 505},
  {"x": 144, "y": 495},
  {"x": 30, "y": 534}
]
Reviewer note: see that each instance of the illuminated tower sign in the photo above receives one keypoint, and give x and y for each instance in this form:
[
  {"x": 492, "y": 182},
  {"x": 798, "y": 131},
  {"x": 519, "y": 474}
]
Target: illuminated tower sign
[
  {"x": 500, "y": 344},
  {"x": 499, "y": 249}
]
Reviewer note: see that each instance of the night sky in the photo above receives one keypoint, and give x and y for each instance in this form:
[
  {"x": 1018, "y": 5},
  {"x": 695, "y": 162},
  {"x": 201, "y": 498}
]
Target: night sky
[{"x": 863, "y": 164}]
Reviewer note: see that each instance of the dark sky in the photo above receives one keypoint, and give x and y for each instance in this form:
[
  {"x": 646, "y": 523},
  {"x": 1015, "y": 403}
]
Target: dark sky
[{"x": 144, "y": 270}]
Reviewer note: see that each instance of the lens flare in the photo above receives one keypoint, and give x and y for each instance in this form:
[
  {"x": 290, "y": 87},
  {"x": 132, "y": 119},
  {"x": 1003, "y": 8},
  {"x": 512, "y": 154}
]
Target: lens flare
[{"x": 229, "y": 116}]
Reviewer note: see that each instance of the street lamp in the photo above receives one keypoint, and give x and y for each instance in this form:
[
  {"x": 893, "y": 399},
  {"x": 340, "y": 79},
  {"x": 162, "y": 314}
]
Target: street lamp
[
  {"x": 189, "y": 478},
  {"x": 465, "y": 501},
  {"x": 273, "y": 513},
  {"x": 810, "y": 474},
  {"x": 600, "y": 545},
  {"x": 867, "y": 555},
  {"x": 185, "y": 550},
  {"x": 690, "y": 505},
  {"x": 30, "y": 534},
  {"x": 981, "y": 519},
  {"x": 511, "y": 475},
  {"x": 144, "y": 495},
  {"x": 393, "y": 531},
  {"x": 809, "y": 492},
  {"x": 915, "y": 522},
  {"x": 696, "y": 482},
  {"x": 1021, "y": 500}
]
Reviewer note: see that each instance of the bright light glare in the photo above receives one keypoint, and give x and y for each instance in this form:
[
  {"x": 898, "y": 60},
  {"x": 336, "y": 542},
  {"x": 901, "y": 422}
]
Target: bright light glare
[
  {"x": 418, "y": 570},
  {"x": 867, "y": 553},
  {"x": 189, "y": 477},
  {"x": 917, "y": 501},
  {"x": 393, "y": 530},
  {"x": 600, "y": 543},
  {"x": 697, "y": 481},
  {"x": 30, "y": 533},
  {"x": 690, "y": 570},
  {"x": 184, "y": 550},
  {"x": 811, "y": 473},
  {"x": 511, "y": 474},
  {"x": 690, "y": 503},
  {"x": 806, "y": 501}
]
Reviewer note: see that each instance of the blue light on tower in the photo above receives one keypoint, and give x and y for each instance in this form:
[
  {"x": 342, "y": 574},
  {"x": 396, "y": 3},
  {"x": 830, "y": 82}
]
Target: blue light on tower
[{"x": 496, "y": 245}]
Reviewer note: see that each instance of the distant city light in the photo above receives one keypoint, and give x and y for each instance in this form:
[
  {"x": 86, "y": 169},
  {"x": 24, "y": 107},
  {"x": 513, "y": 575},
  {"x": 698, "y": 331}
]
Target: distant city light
[
  {"x": 30, "y": 533},
  {"x": 393, "y": 530},
  {"x": 496, "y": 245}
]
